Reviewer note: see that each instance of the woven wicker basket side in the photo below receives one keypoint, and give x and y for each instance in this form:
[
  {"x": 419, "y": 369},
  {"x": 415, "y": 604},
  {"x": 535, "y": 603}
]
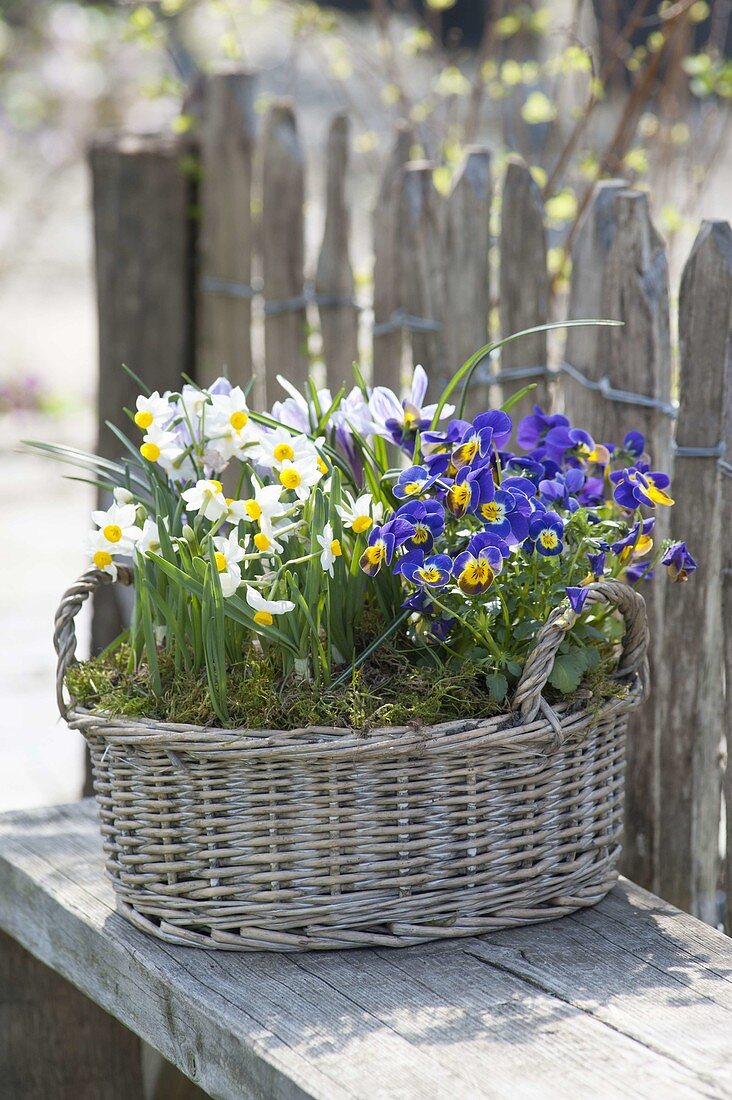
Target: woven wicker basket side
[{"x": 323, "y": 838}]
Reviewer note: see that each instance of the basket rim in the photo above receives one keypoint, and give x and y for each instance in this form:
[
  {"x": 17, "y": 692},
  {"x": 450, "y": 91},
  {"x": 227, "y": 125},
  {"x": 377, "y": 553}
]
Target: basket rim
[{"x": 504, "y": 730}]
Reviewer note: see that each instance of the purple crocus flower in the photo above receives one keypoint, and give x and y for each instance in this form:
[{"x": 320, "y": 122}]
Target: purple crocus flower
[
  {"x": 679, "y": 562},
  {"x": 597, "y": 563},
  {"x": 398, "y": 420}
]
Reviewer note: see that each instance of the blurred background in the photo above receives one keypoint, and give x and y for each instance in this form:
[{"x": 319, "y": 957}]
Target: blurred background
[{"x": 581, "y": 90}]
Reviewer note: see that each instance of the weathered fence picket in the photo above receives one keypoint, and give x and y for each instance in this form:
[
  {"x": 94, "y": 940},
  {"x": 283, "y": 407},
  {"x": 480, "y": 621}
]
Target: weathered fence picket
[
  {"x": 467, "y": 245},
  {"x": 420, "y": 228},
  {"x": 524, "y": 282},
  {"x": 334, "y": 276},
  {"x": 626, "y": 279},
  {"x": 689, "y": 676},
  {"x": 143, "y": 197},
  {"x": 432, "y": 293},
  {"x": 387, "y": 334},
  {"x": 283, "y": 246},
  {"x": 227, "y": 150},
  {"x": 723, "y": 290}
]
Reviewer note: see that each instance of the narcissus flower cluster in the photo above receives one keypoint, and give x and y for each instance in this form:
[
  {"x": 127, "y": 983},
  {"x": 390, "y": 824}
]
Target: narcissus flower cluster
[{"x": 459, "y": 535}]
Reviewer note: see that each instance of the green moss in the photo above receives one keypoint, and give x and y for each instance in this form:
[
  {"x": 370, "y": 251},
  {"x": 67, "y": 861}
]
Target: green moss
[{"x": 387, "y": 691}]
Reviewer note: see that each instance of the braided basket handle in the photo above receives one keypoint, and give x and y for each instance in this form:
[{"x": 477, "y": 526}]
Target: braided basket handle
[
  {"x": 64, "y": 632},
  {"x": 538, "y": 667}
]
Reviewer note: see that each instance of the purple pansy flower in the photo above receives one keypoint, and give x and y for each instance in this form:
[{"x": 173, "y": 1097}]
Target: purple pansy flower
[
  {"x": 636, "y": 485},
  {"x": 432, "y": 572},
  {"x": 428, "y": 518},
  {"x": 679, "y": 562},
  {"x": 476, "y": 568},
  {"x": 413, "y": 482},
  {"x": 577, "y": 597},
  {"x": 545, "y": 531},
  {"x": 382, "y": 543}
]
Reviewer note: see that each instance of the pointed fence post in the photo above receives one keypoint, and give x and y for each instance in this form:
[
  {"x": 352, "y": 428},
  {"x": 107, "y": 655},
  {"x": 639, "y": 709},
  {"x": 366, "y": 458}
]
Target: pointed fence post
[
  {"x": 467, "y": 244},
  {"x": 421, "y": 242},
  {"x": 524, "y": 283},
  {"x": 334, "y": 277},
  {"x": 283, "y": 248},
  {"x": 227, "y": 150},
  {"x": 387, "y": 344},
  {"x": 690, "y": 682},
  {"x": 620, "y": 272}
]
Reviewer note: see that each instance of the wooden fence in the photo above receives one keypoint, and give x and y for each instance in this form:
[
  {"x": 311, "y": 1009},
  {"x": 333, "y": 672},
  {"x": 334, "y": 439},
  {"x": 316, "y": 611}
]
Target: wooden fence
[{"x": 190, "y": 281}]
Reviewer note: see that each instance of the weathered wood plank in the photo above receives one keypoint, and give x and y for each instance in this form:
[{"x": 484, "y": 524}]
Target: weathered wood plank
[
  {"x": 586, "y": 347},
  {"x": 631, "y": 990},
  {"x": 726, "y": 507},
  {"x": 227, "y": 150},
  {"x": 524, "y": 281},
  {"x": 283, "y": 246},
  {"x": 620, "y": 272},
  {"x": 692, "y": 703},
  {"x": 423, "y": 274},
  {"x": 387, "y": 346},
  {"x": 55, "y": 1042},
  {"x": 334, "y": 276},
  {"x": 467, "y": 244},
  {"x": 143, "y": 195}
]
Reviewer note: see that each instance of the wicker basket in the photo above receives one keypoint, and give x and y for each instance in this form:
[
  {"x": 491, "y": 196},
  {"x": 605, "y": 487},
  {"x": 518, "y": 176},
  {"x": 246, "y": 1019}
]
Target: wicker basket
[{"x": 322, "y": 838}]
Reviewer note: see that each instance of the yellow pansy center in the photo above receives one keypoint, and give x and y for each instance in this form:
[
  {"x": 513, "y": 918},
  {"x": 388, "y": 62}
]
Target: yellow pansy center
[
  {"x": 283, "y": 452},
  {"x": 112, "y": 532},
  {"x": 549, "y": 539},
  {"x": 290, "y": 478},
  {"x": 238, "y": 420},
  {"x": 263, "y": 618},
  {"x": 375, "y": 554},
  {"x": 465, "y": 453},
  {"x": 143, "y": 419},
  {"x": 413, "y": 487},
  {"x": 252, "y": 509},
  {"x": 430, "y": 574},
  {"x": 261, "y": 541},
  {"x": 361, "y": 524},
  {"x": 491, "y": 511},
  {"x": 220, "y": 560},
  {"x": 102, "y": 559},
  {"x": 421, "y": 533},
  {"x": 150, "y": 452},
  {"x": 476, "y": 574},
  {"x": 335, "y": 548},
  {"x": 460, "y": 495}
]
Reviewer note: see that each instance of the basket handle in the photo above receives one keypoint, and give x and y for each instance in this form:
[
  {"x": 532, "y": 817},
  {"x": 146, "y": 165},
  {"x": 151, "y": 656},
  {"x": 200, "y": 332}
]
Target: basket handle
[
  {"x": 64, "y": 632},
  {"x": 538, "y": 667}
]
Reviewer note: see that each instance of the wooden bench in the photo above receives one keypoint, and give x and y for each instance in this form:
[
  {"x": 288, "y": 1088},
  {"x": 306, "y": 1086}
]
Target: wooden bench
[{"x": 632, "y": 998}]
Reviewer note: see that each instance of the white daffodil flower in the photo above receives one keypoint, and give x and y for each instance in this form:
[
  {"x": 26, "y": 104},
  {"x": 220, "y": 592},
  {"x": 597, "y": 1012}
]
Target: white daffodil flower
[
  {"x": 279, "y": 446},
  {"x": 265, "y": 610},
  {"x": 227, "y": 424},
  {"x": 331, "y": 548},
  {"x": 301, "y": 475},
  {"x": 101, "y": 554},
  {"x": 207, "y": 498},
  {"x": 227, "y": 557},
  {"x": 152, "y": 410},
  {"x": 264, "y": 507},
  {"x": 359, "y": 514},
  {"x": 150, "y": 538},
  {"x": 117, "y": 528},
  {"x": 161, "y": 446}
]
